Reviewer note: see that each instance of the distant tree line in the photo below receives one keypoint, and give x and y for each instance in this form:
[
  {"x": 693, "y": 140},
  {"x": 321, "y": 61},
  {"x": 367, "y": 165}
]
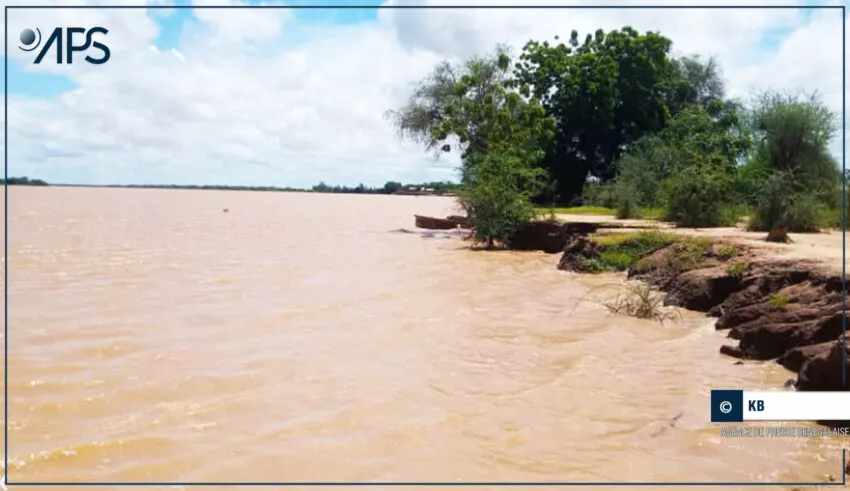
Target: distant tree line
[
  {"x": 391, "y": 187},
  {"x": 23, "y": 181}
]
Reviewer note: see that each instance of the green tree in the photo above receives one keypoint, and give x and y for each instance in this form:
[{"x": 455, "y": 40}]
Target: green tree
[
  {"x": 501, "y": 137},
  {"x": 604, "y": 94},
  {"x": 791, "y": 170},
  {"x": 694, "y": 81},
  {"x": 452, "y": 108},
  {"x": 689, "y": 167},
  {"x": 392, "y": 186}
]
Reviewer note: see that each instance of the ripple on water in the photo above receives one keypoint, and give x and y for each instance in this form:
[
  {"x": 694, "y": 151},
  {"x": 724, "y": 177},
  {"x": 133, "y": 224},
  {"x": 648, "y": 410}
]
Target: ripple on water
[{"x": 168, "y": 341}]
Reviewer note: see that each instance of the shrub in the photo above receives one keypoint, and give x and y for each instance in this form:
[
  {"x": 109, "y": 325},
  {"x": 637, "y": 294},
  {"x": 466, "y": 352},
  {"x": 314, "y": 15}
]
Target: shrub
[
  {"x": 598, "y": 194},
  {"x": 627, "y": 204},
  {"x": 727, "y": 253},
  {"x": 779, "y": 301},
  {"x": 640, "y": 301},
  {"x": 498, "y": 194},
  {"x": 698, "y": 197},
  {"x": 778, "y": 203},
  {"x": 737, "y": 269},
  {"x": 800, "y": 179}
]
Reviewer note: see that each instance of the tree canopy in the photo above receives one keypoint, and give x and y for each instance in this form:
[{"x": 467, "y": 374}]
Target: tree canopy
[{"x": 648, "y": 128}]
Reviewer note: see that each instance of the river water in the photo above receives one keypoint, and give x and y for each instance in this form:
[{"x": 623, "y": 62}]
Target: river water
[{"x": 296, "y": 337}]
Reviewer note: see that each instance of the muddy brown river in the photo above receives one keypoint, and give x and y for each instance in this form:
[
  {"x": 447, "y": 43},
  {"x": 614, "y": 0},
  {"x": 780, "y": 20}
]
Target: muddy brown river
[{"x": 153, "y": 337}]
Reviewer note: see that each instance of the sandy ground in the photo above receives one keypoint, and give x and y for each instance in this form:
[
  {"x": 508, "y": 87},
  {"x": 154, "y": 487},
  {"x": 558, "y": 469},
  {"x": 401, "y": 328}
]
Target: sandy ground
[{"x": 826, "y": 247}]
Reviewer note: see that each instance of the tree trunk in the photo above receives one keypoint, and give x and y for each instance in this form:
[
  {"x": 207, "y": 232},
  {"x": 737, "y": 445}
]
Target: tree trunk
[{"x": 779, "y": 231}]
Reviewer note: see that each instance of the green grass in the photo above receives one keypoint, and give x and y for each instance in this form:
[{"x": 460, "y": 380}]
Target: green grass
[
  {"x": 618, "y": 261},
  {"x": 727, "y": 253},
  {"x": 577, "y": 210},
  {"x": 622, "y": 251},
  {"x": 643, "y": 213},
  {"x": 651, "y": 213},
  {"x": 737, "y": 269},
  {"x": 595, "y": 265},
  {"x": 779, "y": 301},
  {"x": 832, "y": 218}
]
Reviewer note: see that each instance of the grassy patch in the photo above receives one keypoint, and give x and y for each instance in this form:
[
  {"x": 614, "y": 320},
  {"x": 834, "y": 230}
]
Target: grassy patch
[
  {"x": 578, "y": 210},
  {"x": 779, "y": 301},
  {"x": 727, "y": 253},
  {"x": 622, "y": 251},
  {"x": 651, "y": 213},
  {"x": 685, "y": 255},
  {"x": 832, "y": 218},
  {"x": 737, "y": 269},
  {"x": 617, "y": 261},
  {"x": 595, "y": 265},
  {"x": 641, "y": 213},
  {"x": 682, "y": 253}
]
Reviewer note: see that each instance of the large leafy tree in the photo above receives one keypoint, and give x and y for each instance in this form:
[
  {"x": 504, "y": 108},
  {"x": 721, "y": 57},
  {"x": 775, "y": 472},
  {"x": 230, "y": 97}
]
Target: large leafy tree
[
  {"x": 453, "y": 107},
  {"x": 470, "y": 107},
  {"x": 606, "y": 93},
  {"x": 696, "y": 82}
]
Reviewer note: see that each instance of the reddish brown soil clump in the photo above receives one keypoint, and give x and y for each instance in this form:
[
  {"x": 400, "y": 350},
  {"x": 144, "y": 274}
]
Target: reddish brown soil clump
[
  {"x": 549, "y": 237},
  {"x": 789, "y": 311}
]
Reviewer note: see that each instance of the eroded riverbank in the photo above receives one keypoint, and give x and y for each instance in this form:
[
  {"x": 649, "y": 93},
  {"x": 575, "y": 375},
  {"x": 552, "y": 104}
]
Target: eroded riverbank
[{"x": 773, "y": 307}]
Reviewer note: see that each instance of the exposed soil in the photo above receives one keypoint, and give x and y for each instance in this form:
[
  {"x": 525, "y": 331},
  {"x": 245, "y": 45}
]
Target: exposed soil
[
  {"x": 549, "y": 237},
  {"x": 827, "y": 247},
  {"x": 788, "y": 310},
  {"x": 774, "y": 302}
]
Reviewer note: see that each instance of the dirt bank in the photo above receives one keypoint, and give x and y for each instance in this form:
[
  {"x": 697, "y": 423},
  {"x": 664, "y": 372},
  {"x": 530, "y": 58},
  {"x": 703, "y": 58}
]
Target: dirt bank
[
  {"x": 828, "y": 247},
  {"x": 773, "y": 308}
]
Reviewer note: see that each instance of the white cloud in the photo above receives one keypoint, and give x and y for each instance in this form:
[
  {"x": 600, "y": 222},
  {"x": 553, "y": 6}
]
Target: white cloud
[
  {"x": 240, "y": 101},
  {"x": 227, "y": 27}
]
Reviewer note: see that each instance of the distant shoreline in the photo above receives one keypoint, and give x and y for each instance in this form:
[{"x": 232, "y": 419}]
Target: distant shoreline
[{"x": 398, "y": 190}]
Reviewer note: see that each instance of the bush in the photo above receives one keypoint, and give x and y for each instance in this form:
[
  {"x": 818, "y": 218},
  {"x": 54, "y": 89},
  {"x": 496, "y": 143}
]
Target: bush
[
  {"x": 800, "y": 181},
  {"x": 640, "y": 301},
  {"x": 698, "y": 197},
  {"x": 627, "y": 203},
  {"x": 737, "y": 269},
  {"x": 687, "y": 169},
  {"x": 807, "y": 214},
  {"x": 779, "y": 301},
  {"x": 497, "y": 196},
  {"x": 598, "y": 194},
  {"x": 834, "y": 218},
  {"x": 643, "y": 168},
  {"x": 778, "y": 203}
]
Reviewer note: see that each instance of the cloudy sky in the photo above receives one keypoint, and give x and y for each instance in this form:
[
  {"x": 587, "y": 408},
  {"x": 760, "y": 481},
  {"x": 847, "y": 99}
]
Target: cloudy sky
[{"x": 291, "y": 97}]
